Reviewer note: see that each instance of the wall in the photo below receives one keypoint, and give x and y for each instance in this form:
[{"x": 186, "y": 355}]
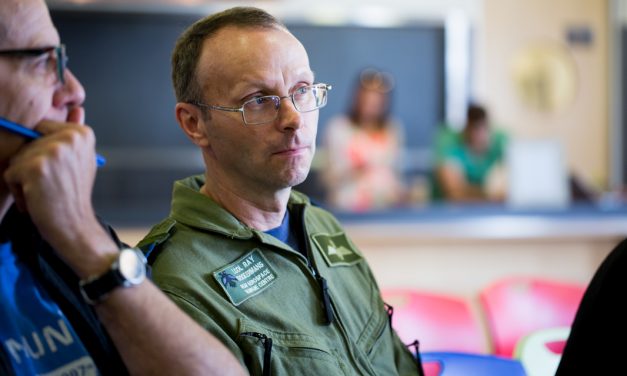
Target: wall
[
  {"x": 123, "y": 61},
  {"x": 582, "y": 125},
  {"x": 502, "y": 27}
]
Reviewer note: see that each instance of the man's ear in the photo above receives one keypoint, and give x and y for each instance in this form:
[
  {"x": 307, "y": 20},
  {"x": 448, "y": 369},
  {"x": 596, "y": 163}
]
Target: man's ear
[{"x": 191, "y": 121}]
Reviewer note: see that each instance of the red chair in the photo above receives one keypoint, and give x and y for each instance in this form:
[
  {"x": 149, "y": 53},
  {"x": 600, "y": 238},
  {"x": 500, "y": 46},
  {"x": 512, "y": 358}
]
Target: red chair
[
  {"x": 517, "y": 306},
  {"x": 439, "y": 322}
]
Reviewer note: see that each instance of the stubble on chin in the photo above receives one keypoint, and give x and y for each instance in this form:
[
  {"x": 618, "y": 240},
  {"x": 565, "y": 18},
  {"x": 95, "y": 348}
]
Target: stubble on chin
[{"x": 298, "y": 173}]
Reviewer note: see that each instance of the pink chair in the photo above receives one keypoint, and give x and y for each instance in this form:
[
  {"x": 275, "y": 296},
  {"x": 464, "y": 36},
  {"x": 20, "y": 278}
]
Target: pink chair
[
  {"x": 517, "y": 306},
  {"x": 439, "y": 322}
]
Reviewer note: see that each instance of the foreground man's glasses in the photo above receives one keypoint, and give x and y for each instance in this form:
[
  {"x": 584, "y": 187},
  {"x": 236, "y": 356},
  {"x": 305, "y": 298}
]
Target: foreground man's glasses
[{"x": 265, "y": 109}]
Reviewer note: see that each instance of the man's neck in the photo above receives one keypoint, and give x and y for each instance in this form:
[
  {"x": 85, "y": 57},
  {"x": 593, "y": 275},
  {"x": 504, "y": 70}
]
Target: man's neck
[{"x": 259, "y": 210}]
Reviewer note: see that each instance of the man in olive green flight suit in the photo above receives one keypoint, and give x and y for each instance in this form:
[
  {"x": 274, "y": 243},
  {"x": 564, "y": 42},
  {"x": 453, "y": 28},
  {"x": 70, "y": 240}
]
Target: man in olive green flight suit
[{"x": 273, "y": 277}]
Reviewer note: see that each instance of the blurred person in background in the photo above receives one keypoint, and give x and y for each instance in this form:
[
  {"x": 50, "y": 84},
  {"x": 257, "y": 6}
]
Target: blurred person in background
[
  {"x": 469, "y": 164},
  {"x": 363, "y": 149}
]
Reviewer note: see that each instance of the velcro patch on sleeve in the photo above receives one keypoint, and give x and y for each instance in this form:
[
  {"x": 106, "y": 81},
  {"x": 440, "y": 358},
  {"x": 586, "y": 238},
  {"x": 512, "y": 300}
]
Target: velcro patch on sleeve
[{"x": 336, "y": 249}]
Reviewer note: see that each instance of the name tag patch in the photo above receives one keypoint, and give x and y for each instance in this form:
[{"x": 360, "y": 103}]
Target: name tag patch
[
  {"x": 246, "y": 277},
  {"x": 336, "y": 249}
]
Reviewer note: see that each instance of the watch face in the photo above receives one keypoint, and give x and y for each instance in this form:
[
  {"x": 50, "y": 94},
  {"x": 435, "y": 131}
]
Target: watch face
[{"x": 132, "y": 266}]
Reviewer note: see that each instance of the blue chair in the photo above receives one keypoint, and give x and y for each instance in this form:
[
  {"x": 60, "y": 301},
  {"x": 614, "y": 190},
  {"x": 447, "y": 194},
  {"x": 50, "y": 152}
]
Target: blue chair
[{"x": 465, "y": 364}]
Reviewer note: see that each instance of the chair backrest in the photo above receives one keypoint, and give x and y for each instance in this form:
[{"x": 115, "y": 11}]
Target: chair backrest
[
  {"x": 540, "y": 352},
  {"x": 517, "y": 306},
  {"x": 439, "y": 322},
  {"x": 463, "y": 364}
]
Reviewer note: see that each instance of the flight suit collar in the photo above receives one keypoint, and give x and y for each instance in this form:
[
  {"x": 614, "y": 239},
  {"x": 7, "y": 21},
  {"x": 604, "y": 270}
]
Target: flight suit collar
[{"x": 194, "y": 209}]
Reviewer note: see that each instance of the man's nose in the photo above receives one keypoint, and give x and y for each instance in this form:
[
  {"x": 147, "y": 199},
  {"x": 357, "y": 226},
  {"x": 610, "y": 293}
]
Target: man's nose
[
  {"x": 71, "y": 93},
  {"x": 289, "y": 116}
]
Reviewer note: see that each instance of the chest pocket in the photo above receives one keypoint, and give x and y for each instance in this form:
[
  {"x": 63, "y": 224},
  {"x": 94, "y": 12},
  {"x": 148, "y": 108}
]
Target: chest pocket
[
  {"x": 378, "y": 342},
  {"x": 269, "y": 352}
]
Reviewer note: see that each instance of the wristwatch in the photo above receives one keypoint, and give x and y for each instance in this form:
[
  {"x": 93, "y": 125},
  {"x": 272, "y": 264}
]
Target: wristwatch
[{"x": 128, "y": 270}]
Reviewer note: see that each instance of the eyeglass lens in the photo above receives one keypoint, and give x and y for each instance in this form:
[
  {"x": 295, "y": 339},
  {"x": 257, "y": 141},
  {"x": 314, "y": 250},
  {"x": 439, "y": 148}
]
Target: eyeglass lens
[
  {"x": 56, "y": 57},
  {"x": 265, "y": 109},
  {"x": 61, "y": 58}
]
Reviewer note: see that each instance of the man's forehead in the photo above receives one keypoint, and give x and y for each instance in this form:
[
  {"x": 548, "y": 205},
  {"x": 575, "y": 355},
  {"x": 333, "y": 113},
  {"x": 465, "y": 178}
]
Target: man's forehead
[
  {"x": 26, "y": 23},
  {"x": 8, "y": 11},
  {"x": 254, "y": 54},
  {"x": 244, "y": 42},
  {"x": 267, "y": 79}
]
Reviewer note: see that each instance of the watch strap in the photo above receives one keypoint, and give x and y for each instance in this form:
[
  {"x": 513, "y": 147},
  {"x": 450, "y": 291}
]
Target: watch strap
[{"x": 94, "y": 290}]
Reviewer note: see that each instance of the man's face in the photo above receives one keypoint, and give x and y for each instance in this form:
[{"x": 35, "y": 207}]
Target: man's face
[
  {"x": 31, "y": 90},
  {"x": 236, "y": 65}
]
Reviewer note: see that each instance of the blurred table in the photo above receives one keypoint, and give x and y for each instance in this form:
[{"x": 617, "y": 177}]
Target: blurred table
[
  {"x": 488, "y": 222},
  {"x": 462, "y": 248}
]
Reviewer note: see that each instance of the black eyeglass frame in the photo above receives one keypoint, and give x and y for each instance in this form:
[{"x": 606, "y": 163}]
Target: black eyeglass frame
[{"x": 59, "y": 52}]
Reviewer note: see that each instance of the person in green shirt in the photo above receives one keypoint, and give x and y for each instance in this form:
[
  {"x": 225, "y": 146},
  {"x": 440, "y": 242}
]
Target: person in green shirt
[
  {"x": 275, "y": 278},
  {"x": 469, "y": 164}
]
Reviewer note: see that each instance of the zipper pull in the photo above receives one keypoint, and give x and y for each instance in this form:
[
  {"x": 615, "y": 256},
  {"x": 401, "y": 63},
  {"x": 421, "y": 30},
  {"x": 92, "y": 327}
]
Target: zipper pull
[
  {"x": 390, "y": 311},
  {"x": 326, "y": 300},
  {"x": 267, "y": 349},
  {"x": 416, "y": 346}
]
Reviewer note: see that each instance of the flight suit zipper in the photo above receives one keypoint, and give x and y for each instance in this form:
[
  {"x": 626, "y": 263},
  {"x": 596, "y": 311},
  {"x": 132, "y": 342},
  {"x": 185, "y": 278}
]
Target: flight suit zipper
[
  {"x": 390, "y": 311},
  {"x": 324, "y": 289},
  {"x": 326, "y": 300},
  {"x": 416, "y": 346},
  {"x": 322, "y": 282},
  {"x": 267, "y": 350}
]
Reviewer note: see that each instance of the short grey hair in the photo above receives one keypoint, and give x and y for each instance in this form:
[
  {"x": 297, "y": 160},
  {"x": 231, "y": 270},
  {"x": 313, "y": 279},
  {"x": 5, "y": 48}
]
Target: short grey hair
[{"x": 189, "y": 45}]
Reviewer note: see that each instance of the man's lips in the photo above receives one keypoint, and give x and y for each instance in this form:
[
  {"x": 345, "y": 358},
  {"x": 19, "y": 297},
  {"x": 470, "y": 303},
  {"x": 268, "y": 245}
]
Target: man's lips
[{"x": 295, "y": 150}]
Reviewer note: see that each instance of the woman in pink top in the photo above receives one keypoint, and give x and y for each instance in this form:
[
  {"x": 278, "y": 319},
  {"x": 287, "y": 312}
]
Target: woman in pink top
[{"x": 363, "y": 150}]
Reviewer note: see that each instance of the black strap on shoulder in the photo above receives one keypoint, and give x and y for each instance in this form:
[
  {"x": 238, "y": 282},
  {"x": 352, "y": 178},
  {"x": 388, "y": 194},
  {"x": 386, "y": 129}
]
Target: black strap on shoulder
[
  {"x": 61, "y": 283},
  {"x": 5, "y": 369}
]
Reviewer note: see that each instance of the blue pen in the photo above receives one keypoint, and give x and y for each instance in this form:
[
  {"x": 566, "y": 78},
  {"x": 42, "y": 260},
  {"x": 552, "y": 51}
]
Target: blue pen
[{"x": 32, "y": 135}]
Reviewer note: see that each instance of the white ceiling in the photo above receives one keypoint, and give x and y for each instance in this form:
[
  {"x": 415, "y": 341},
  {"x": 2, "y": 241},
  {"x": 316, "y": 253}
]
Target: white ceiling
[{"x": 368, "y": 12}]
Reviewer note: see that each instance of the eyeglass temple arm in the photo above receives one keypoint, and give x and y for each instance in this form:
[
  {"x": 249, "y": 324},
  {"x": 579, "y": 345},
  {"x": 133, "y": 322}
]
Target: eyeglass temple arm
[{"x": 231, "y": 109}]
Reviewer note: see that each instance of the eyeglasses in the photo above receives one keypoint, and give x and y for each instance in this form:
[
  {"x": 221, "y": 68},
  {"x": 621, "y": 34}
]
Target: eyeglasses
[
  {"x": 57, "y": 52},
  {"x": 265, "y": 109}
]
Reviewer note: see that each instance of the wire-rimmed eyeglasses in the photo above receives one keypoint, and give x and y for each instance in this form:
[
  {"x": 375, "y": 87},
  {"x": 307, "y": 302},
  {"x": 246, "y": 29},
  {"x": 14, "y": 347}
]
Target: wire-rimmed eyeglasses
[
  {"x": 265, "y": 109},
  {"x": 58, "y": 52}
]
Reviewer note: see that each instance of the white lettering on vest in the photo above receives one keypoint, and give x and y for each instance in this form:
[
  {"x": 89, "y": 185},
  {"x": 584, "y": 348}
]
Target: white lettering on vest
[{"x": 62, "y": 336}]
